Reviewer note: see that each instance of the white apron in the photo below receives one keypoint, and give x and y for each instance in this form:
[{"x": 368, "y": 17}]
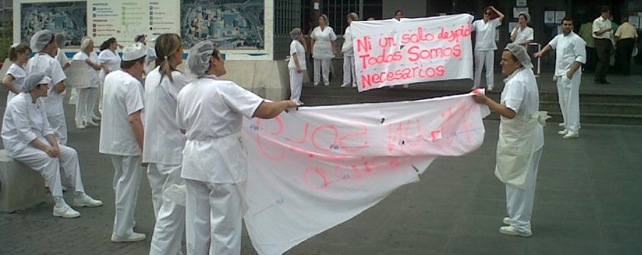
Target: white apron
[{"x": 516, "y": 145}]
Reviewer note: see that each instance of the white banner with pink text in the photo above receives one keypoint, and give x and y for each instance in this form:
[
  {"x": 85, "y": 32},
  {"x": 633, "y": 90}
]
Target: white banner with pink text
[
  {"x": 314, "y": 168},
  {"x": 393, "y": 52}
]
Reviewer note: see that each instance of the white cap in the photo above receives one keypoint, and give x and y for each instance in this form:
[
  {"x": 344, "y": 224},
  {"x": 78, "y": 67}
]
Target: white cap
[{"x": 134, "y": 51}]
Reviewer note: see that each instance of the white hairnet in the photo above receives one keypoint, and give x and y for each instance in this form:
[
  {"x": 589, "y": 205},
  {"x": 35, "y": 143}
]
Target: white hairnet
[
  {"x": 520, "y": 53},
  {"x": 84, "y": 43},
  {"x": 198, "y": 60},
  {"x": 134, "y": 51},
  {"x": 33, "y": 80},
  {"x": 40, "y": 40}
]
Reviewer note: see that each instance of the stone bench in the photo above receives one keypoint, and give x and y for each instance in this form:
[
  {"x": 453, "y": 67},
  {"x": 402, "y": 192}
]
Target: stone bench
[{"x": 20, "y": 187}]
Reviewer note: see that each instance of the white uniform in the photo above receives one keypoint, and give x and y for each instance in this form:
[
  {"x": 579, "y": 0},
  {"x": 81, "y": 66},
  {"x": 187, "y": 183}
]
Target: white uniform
[
  {"x": 349, "y": 74},
  {"x": 214, "y": 163},
  {"x": 485, "y": 50},
  {"x": 296, "y": 78},
  {"x": 569, "y": 49},
  {"x": 19, "y": 74},
  {"x": 43, "y": 63},
  {"x": 522, "y": 35},
  {"x": 526, "y": 133},
  {"x": 25, "y": 121},
  {"x": 112, "y": 61},
  {"x": 163, "y": 149},
  {"x": 88, "y": 91},
  {"x": 323, "y": 53},
  {"x": 151, "y": 56},
  {"x": 123, "y": 96}
]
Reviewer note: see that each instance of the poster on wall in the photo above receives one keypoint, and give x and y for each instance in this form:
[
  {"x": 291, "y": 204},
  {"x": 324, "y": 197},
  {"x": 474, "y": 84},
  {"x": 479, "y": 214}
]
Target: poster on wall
[
  {"x": 69, "y": 18},
  {"x": 124, "y": 19},
  {"x": 230, "y": 25}
]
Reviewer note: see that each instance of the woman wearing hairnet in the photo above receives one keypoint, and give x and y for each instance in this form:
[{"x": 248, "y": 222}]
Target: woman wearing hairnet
[
  {"x": 29, "y": 139},
  {"x": 15, "y": 76},
  {"x": 211, "y": 112},
  {"x": 485, "y": 46},
  {"x": 323, "y": 45},
  {"x": 88, "y": 90},
  {"x": 163, "y": 144},
  {"x": 521, "y": 138},
  {"x": 110, "y": 61},
  {"x": 522, "y": 34},
  {"x": 297, "y": 64},
  {"x": 44, "y": 43}
]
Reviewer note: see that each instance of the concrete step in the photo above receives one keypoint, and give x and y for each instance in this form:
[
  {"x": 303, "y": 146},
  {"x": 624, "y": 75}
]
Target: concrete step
[{"x": 597, "y": 108}]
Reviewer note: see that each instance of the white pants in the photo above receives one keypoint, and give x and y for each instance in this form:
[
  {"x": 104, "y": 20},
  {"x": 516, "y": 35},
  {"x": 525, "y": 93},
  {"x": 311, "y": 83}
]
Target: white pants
[
  {"x": 127, "y": 177},
  {"x": 322, "y": 67},
  {"x": 59, "y": 127},
  {"x": 170, "y": 216},
  {"x": 484, "y": 58},
  {"x": 296, "y": 83},
  {"x": 214, "y": 214},
  {"x": 49, "y": 167},
  {"x": 73, "y": 99},
  {"x": 100, "y": 97},
  {"x": 568, "y": 91},
  {"x": 349, "y": 74},
  {"x": 85, "y": 104},
  {"x": 519, "y": 202}
]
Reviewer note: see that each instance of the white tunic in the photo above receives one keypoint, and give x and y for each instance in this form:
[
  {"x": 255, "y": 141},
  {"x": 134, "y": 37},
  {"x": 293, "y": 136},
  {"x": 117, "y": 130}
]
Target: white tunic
[
  {"x": 164, "y": 141},
  {"x": 347, "y": 47},
  {"x": 110, "y": 59},
  {"x": 568, "y": 50},
  {"x": 43, "y": 63},
  {"x": 94, "y": 81},
  {"x": 122, "y": 96},
  {"x": 323, "y": 43},
  {"x": 485, "y": 34},
  {"x": 297, "y": 47},
  {"x": 24, "y": 122},
  {"x": 212, "y": 111},
  {"x": 62, "y": 57},
  {"x": 522, "y": 35},
  {"x": 19, "y": 74}
]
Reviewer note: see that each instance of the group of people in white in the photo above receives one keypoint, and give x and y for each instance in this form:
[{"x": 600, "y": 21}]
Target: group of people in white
[{"x": 185, "y": 131}]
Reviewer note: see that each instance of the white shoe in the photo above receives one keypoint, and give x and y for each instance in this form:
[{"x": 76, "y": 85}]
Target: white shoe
[
  {"x": 316, "y": 84},
  {"x": 563, "y": 132},
  {"x": 299, "y": 103},
  {"x": 490, "y": 88},
  {"x": 354, "y": 85},
  {"x": 506, "y": 221},
  {"x": 80, "y": 126},
  {"x": 561, "y": 124},
  {"x": 95, "y": 118},
  {"x": 511, "y": 231},
  {"x": 572, "y": 135},
  {"x": 326, "y": 84},
  {"x": 65, "y": 212},
  {"x": 134, "y": 237},
  {"x": 345, "y": 85},
  {"x": 86, "y": 201},
  {"x": 91, "y": 124}
]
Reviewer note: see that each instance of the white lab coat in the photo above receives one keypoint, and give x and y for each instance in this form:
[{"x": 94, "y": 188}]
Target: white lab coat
[
  {"x": 19, "y": 74},
  {"x": 519, "y": 148},
  {"x": 43, "y": 63},
  {"x": 296, "y": 78},
  {"x": 151, "y": 56},
  {"x": 322, "y": 53},
  {"x": 88, "y": 91},
  {"x": 112, "y": 61},
  {"x": 569, "y": 49},
  {"x": 25, "y": 121},
  {"x": 214, "y": 164},
  {"x": 485, "y": 47},
  {"x": 123, "y": 96},
  {"x": 349, "y": 74},
  {"x": 163, "y": 148},
  {"x": 522, "y": 35}
]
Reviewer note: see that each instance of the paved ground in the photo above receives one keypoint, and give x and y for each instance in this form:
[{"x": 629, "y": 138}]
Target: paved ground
[{"x": 588, "y": 201}]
